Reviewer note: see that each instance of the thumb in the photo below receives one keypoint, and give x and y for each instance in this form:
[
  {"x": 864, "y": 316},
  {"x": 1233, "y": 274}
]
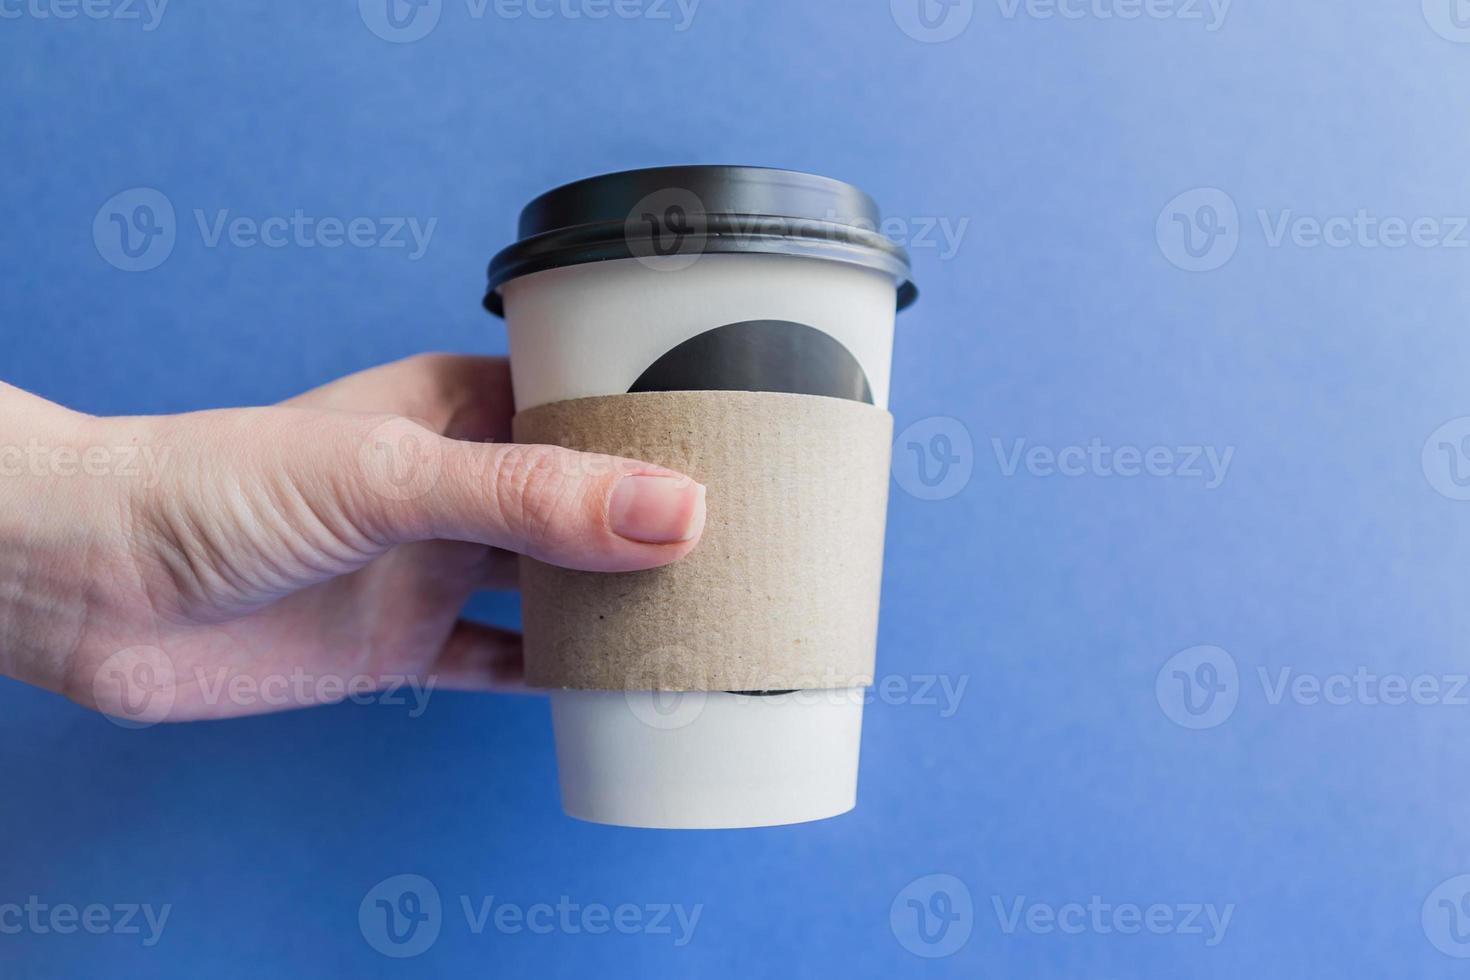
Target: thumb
[{"x": 579, "y": 510}]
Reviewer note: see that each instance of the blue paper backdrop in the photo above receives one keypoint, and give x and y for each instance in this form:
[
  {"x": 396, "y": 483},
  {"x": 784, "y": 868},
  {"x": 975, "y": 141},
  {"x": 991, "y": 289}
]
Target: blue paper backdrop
[{"x": 1101, "y": 785}]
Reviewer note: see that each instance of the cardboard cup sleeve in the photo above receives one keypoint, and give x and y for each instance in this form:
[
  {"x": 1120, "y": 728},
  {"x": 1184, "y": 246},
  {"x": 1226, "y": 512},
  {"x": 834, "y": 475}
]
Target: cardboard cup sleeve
[{"x": 782, "y": 591}]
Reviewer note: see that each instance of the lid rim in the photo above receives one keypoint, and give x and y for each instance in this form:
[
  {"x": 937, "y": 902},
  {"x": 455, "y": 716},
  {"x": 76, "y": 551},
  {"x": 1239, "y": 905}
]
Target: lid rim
[
  {"x": 907, "y": 292},
  {"x": 731, "y": 210}
]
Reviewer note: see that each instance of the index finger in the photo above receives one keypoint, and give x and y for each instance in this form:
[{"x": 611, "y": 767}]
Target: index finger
[{"x": 462, "y": 396}]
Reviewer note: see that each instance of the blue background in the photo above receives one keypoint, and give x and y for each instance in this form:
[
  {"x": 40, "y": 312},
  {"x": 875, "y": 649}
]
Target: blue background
[{"x": 1059, "y": 599}]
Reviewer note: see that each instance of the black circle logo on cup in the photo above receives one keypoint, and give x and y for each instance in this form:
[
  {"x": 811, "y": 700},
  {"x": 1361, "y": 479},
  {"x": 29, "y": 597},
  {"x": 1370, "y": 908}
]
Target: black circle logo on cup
[
  {"x": 760, "y": 355},
  {"x": 666, "y": 230}
]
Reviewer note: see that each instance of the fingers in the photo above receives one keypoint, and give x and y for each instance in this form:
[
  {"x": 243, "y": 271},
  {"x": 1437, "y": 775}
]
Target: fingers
[
  {"x": 579, "y": 510},
  {"x": 255, "y": 504},
  {"x": 480, "y": 658},
  {"x": 458, "y": 395},
  {"x": 583, "y": 511}
]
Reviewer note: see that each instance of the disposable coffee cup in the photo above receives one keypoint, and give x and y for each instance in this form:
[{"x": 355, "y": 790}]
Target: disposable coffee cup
[{"x": 736, "y": 324}]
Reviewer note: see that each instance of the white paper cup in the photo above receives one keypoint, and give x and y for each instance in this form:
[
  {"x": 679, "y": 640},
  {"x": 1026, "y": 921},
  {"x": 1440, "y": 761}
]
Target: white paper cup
[{"x": 589, "y": 328}]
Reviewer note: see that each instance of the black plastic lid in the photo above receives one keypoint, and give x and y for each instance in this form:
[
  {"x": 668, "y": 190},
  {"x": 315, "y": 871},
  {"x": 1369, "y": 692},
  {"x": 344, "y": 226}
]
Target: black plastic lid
[{"x": 675, "y": 214}]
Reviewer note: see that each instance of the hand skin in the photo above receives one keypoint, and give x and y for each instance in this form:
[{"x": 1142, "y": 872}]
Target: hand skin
[{"x": 334, "y": 537}]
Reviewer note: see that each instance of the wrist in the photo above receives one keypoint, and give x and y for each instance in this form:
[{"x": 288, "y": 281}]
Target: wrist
[{"x": 47, "y": 539}]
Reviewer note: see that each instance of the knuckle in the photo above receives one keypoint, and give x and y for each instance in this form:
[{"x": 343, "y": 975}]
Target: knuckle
[
  {"x": 401, "y": 459},
  {"x": 427, "y": 388},
  {"x": 427, "y": 363},
  {"x": 455, "y": 394},
  {"x": 537, "y": 489},
  {"x": 433, "y": 371}
]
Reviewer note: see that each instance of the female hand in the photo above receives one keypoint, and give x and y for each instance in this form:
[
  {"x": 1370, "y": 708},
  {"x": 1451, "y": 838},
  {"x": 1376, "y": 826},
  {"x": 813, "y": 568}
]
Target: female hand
[{"x": 231, "y": 562}]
